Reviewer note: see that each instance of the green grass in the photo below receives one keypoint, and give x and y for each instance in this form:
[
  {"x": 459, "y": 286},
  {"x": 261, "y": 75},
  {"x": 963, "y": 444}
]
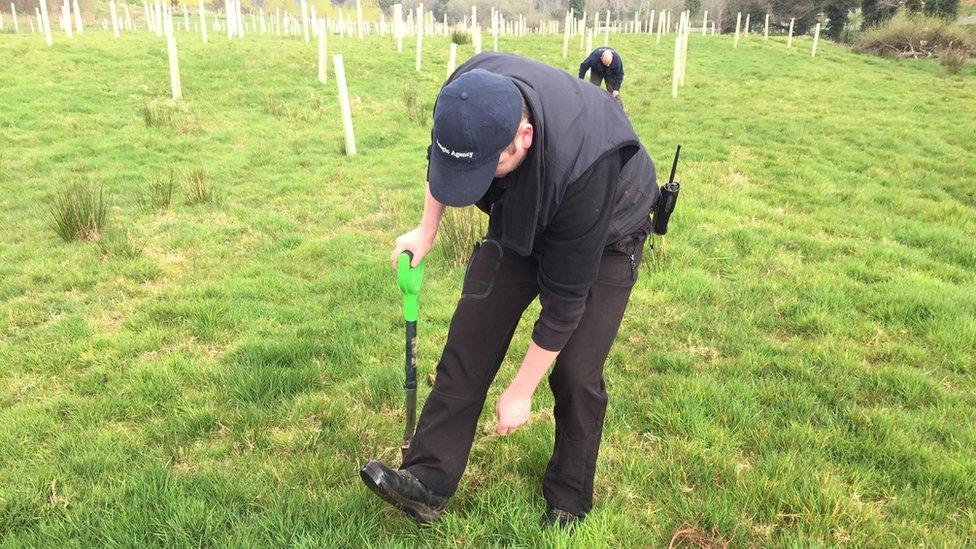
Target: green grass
[{"x": 796, "y": 368}]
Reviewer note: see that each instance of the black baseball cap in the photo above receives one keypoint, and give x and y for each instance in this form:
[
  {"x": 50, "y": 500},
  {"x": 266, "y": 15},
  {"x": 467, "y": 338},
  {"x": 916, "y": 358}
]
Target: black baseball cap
[{"x": 476, "y": 118}]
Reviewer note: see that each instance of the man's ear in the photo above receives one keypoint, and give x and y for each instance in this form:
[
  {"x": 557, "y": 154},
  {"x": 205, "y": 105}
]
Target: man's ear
[{"x": 526, "y": 132}]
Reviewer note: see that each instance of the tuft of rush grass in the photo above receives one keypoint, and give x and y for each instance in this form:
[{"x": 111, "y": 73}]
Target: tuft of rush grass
[
  {"x": 159, "y": 192},
  {"x": 276, "y": 106},
  {"x": 460, "y": 37},
  {"x": 118, "y": 243},
  {"x": 416, "y": 109},
  {"x": 460, "y": 229},
  {"x": 197, "y": 187},
  {"x": 797, "y": 368},
  {"x": 165, "y": 112},
  {"x": 79, "y": 211}
]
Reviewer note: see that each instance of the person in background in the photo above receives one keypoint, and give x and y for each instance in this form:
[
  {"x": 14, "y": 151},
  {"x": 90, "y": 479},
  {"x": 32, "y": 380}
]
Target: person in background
[{"x": 605, "y": 67}]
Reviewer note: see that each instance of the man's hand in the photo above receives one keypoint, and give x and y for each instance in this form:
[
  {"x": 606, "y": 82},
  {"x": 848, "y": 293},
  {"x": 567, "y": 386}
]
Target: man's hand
[
  {"x": 615, "y": 94},
  {"x": 417, "y": 241},
  {"x": 512, "y": 410},
  {"x": 515, "y": 403}
]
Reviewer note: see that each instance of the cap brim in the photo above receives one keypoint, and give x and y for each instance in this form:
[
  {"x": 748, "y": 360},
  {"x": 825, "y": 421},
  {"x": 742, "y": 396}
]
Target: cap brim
[{"x": 460, "y": 187}]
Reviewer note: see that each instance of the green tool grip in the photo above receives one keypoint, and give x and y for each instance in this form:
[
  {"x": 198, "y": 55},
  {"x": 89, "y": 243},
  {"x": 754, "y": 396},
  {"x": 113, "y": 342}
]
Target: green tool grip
[{"x": 409, "y": 279}]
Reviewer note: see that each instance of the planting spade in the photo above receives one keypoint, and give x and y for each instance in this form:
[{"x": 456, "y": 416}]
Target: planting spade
[{"x": 410, "y": 279}]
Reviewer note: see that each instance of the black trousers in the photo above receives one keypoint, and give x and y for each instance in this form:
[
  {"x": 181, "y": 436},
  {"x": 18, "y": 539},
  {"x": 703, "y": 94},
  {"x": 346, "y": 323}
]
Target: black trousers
[
  {"x": 598, "y": 80},
  {"x": 498, "y": 286}
]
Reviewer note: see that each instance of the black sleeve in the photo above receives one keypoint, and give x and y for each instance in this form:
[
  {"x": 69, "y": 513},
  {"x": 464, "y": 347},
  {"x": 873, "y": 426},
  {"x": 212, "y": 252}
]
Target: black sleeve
[
  {"x": 620, "y": 75},
  {"x": 585, "y": 65},
  {"x": 571, "y": 248}
]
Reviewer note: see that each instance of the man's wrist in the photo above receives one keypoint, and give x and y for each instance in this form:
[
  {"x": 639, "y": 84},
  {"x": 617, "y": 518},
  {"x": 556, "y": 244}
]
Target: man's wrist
[
  {"x": 428, "y": 232},
  {"x": 520, "y": 389}
]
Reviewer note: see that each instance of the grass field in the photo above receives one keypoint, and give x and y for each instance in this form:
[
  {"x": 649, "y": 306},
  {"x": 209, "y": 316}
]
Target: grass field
[{"x": 797, "y": 366}]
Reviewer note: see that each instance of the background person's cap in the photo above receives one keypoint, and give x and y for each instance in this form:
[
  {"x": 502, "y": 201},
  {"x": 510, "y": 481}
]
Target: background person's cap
[{"x": 476, "y": 118}]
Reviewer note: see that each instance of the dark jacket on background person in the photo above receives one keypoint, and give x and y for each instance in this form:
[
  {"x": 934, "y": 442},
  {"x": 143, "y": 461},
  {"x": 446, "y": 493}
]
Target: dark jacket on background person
[
  {"x": 613, "y": 75},
  {"x": 586, "y": 183}
]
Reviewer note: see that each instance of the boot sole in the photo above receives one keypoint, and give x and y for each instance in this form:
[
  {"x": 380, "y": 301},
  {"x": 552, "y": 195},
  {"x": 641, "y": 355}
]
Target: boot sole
[{"x": 372, "y": 477}]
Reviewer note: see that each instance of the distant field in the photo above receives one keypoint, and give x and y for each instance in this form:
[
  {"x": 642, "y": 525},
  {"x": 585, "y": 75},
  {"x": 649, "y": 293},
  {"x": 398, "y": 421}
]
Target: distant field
[{"x": 797, "y": 367}]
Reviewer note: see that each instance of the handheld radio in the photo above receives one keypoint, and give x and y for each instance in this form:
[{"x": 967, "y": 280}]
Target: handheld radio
[{"x": 666, "y": 202}]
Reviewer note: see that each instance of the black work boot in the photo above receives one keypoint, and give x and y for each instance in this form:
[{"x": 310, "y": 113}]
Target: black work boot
[
  {"x": 404, "y": 491},
  {"x": 558, "y": 518}
]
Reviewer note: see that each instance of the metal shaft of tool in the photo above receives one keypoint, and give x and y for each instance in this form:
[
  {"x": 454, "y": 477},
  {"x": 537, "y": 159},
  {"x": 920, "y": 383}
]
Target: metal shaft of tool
[{"x": 410, "y": 386}]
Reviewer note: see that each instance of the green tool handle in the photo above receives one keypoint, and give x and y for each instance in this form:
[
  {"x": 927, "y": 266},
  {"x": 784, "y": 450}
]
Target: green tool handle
[{"x": 410, "y": 279}]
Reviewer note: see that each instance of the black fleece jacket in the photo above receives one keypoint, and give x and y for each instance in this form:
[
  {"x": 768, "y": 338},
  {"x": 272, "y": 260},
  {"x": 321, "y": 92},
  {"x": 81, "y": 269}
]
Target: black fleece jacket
[
  {"x": 570, "y": 248},
  {"x": 585, "y": 183},
  {"x": 614, "y": 74}
]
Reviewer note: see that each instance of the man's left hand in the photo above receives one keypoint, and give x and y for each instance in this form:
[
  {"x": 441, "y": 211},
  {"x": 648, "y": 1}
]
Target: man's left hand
[{"x": 512, "y": 411}]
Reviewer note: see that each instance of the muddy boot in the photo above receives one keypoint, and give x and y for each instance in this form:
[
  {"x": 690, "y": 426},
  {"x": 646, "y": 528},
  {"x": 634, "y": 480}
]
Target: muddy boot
[
  {"x": 557, "y": 518},
  {"x": 402, "y": 490}
]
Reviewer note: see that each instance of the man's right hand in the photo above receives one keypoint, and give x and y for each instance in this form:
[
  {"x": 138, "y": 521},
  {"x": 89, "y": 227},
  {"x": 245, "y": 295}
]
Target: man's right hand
[{"x": 417, "y": 241}]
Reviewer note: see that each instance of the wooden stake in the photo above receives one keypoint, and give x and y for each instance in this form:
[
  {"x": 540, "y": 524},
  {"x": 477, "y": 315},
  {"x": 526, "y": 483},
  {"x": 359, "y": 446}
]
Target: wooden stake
[
  {"x": 66, "y": 19},
  {"x": 113, "y": 13},
  {"x": 660, "y": 26},
  {"x": 420, "y": 35},
  {"x": 340, "y": 72},
  {"x": 704, "y": 22},
  {"x": 45, "y": 23},
  {"x": 323, "y": 53},
  {"x": 496, "y": 30},
  {"x": 229, "y": 15},
  {"x": 174, "y": 63},
  {"x": 684, "y": 47},
  {"x": 79, "y": 26},
  {"x": 239, "y": 18},
  {"x": 606, "y": 30},
  {"x": 304, "y": 7},
  {"x": 202, "y": 8},
  {"x": 158, "y": 19},
  {"x": 582, "y": 29},
  {"x": 452, "y": 60},
  {"x": 789, "y": 41},
  {"x": 766, "y": 28},
  {"x": 566, "y": 36},
  {"x": 398, "y": 26},
  {"x": 676, "y": 67},
  {"x": 738, "y": 24},
  {"x": 816, "y": 37},
  {"x": 359, "y": 20},
  {"x": 746, "y": 33}
]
